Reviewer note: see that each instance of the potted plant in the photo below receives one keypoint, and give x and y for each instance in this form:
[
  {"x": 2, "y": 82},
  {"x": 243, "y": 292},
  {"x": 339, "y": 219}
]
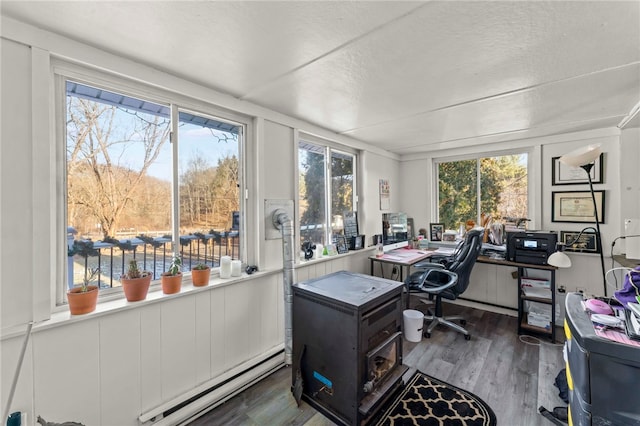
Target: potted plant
[
  {"x": 84, "y": 298},
  {"x": 200, "y": 275},
  {"x": 172, "y": 279},
  {"x": 135, "y": 283}
]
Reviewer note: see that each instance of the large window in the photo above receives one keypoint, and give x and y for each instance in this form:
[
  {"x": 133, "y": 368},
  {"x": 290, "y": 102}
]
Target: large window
[
  {"x": 473, "y": 189},
  {"x": 326, "y": 183},
  {"x": 139, "y": 186}
]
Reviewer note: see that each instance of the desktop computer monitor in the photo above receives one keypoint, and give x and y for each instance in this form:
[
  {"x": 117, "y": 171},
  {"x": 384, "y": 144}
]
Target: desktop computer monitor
[{"x": 395, "y": 232}]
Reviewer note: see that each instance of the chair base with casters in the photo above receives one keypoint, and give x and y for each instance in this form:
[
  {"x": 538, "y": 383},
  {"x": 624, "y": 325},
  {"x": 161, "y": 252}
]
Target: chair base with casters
[
  {"x": 437, "y": 282},
  {"x": 438, "y": 319}
]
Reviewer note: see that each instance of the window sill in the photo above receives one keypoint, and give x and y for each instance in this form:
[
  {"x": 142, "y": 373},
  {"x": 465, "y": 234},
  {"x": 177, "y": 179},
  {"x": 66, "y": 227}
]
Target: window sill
[
  {"x": 117, "y": 303},
  {"x": 303, "y": 262},
  {"x": 112, "y": 304}
]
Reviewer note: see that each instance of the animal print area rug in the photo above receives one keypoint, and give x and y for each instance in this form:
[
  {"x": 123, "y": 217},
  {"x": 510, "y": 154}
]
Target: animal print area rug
[{"x": 429, "y": 401}]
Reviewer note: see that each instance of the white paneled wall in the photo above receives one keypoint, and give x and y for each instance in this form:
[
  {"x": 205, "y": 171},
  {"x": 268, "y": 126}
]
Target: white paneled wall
[
  {"x": 177, "y": 346},
  {"x": 149, "y": 363},
  {"x": 119, "y": 366},
  {"x": 66, "y": 372}
]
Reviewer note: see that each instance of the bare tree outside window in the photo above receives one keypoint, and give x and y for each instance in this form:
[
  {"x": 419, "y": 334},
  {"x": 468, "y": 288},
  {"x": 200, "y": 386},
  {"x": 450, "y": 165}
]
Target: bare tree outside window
[
  {"x": 119, "y": 182},
  {"x": 107, "y": 164}
]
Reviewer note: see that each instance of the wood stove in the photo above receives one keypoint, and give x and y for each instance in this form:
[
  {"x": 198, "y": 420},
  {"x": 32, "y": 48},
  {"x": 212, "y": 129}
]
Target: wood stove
[{"x": 347, "y": 344}]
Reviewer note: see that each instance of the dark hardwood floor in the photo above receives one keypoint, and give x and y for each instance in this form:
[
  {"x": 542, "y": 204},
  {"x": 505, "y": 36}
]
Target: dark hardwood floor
[{"x": 513, "y": 374}]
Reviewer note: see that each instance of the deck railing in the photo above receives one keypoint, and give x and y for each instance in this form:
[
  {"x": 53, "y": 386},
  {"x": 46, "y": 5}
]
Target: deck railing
[{"x": 152, "y": 254}]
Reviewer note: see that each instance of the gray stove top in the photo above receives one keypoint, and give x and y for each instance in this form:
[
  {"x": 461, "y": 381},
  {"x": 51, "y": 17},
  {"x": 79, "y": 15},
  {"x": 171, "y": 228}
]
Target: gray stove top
[{"x": 348, "y": 287}]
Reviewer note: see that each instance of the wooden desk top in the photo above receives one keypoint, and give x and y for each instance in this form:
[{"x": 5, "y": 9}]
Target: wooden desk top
[
  {"x": 503, "y": 262},
  {"x": 404, "y": 257},
  {"x": 628, "y": 263}
]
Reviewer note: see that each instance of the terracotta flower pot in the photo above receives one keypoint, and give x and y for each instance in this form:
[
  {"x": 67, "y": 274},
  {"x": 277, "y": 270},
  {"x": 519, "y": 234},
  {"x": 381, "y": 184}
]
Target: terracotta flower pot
[
  {"x": 171, "y": 283},
  {"x": 200, "y": 277},
  {"x": 136, "y": 289},
  {"x": 82, "y": 302}
]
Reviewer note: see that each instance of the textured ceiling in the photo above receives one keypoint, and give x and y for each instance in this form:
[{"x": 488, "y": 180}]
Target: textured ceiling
[{"x": 407, "y": 77}]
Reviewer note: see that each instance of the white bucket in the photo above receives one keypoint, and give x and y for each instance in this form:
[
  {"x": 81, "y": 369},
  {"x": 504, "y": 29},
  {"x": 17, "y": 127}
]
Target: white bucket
[{"x": 413, "y": 323}]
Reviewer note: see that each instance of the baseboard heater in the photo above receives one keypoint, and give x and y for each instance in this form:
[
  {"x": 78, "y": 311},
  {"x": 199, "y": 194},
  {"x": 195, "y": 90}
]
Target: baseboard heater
[{"x": 206, "y": 397}]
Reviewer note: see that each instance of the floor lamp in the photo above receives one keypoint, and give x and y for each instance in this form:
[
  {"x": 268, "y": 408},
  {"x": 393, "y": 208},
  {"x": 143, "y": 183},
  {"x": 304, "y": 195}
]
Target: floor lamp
[{"x": 583, "y": 158}]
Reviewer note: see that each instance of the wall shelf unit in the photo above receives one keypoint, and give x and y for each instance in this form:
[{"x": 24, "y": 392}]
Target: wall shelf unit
[
  {"x": 526, "y": 324},
  {"x": 524, "y": 327}
]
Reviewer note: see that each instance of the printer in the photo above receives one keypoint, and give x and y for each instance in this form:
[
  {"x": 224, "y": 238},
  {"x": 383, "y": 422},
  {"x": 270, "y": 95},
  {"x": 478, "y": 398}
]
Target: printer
[{"x": 532, "y": 247}]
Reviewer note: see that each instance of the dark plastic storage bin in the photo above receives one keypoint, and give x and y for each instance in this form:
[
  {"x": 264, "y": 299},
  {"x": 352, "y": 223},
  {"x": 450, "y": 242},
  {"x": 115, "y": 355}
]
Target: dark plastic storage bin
[{"x": 603, "y": 375}]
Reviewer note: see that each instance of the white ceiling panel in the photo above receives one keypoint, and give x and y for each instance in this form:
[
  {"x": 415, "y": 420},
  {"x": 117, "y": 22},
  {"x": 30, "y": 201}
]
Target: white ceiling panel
[
  {"x": 408, "y": 77},
  {"x": 233, "y": 46},
  {"x": 450, "y": 53},
  {"x": 580, "y": 101}
]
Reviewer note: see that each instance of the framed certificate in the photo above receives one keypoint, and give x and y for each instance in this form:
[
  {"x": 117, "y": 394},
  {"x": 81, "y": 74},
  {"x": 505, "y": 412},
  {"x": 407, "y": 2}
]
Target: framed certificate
[
  {"x": 563, "y": 174},
  {"x": 577, "y": 206}
]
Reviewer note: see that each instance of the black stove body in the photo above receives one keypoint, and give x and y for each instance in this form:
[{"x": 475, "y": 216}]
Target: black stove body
[{"x": 347, "y": 344}]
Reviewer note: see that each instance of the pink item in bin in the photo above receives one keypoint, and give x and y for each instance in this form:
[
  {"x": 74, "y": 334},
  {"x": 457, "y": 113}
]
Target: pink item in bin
[{"x": 598, "y": 307}]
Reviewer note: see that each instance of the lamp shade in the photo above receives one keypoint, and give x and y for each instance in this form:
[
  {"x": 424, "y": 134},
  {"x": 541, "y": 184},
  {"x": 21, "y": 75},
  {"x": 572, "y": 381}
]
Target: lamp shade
[
  {"x": 559, "y": 260},
  {"x": 582, "y": 156}
]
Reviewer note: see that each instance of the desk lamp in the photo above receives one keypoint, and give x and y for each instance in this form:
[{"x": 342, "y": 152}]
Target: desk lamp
[{"x": 583, "y": 158}]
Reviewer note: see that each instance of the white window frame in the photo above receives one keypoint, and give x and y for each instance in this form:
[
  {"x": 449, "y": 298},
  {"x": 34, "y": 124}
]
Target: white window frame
[
  {"x": 329, "y": 147},
  {"x": 533, "y": 197},
  {"x": 63, "y": 71}
]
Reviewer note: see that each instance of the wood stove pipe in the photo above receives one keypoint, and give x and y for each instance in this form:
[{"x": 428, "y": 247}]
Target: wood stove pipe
[{"x": 284, "y": 223}]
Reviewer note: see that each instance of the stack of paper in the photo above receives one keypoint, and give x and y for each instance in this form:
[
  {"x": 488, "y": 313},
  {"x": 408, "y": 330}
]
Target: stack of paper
[
  {"x": 536, "y": 287},
  {"x": 539, "y": 314}
]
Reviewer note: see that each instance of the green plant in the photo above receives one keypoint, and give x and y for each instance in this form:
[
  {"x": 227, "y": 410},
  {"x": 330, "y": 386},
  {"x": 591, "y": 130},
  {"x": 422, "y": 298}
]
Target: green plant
[
  {"x": 134, "y": 272},
  {"x": 200, "y": 267},
  {"x": 176, "y": 265}
]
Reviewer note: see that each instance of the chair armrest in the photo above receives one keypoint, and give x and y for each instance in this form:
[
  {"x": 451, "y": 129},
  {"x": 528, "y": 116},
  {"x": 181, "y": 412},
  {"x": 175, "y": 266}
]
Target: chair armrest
[{"x": 451, "y": 280}]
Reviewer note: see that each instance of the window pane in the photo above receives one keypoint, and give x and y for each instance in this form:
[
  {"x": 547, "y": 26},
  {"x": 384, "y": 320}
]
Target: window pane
[
  {"x": 503, "y": 183},
  {"x": 503, "y": 190},
  {"x": 312, "y": 192},
  {"x": 118, "y": 177},
  {"x": 341, "y": 189},
  {"x": 457, "y": 192},
  {"x": 208, "y": 152}
]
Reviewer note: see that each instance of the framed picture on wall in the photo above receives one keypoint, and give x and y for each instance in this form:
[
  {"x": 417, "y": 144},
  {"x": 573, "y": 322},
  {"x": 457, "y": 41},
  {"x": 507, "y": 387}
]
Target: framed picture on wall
[
  {"x": 563, "y": 174},
  {"x": 385, "y": 194},
  {"x": 576, "y": 206},
  {"x": 588, "y": 242},
  {"x": 436, "y": 231}
]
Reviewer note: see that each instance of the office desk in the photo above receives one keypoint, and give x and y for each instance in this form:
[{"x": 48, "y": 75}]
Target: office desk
[
  {"x": 523, "y": 325},
  {"x": 403, "y": 258}
]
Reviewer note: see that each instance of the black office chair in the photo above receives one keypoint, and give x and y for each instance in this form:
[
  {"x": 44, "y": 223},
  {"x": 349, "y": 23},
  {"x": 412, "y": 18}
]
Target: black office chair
[{"x": 446, "y": 278}]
